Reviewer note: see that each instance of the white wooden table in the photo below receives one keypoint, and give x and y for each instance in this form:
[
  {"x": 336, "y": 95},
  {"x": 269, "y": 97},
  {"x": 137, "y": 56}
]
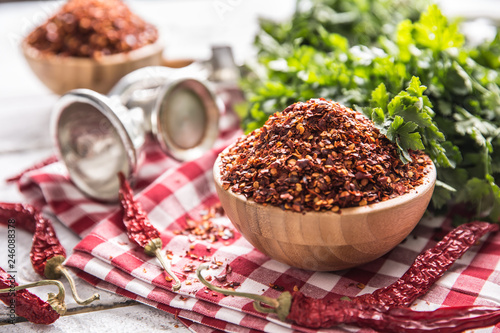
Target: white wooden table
[{"x": 188, "y": 29}]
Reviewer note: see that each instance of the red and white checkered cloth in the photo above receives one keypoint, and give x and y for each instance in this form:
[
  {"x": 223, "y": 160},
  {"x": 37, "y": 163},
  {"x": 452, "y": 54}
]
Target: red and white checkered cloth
[{"x": 171, "y": 192}]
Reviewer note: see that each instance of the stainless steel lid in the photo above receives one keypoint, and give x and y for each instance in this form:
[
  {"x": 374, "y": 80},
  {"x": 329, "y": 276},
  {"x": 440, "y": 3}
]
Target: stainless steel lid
[
  {"x": 185, "y": 119},
  {"x": 96, "y": 137}
]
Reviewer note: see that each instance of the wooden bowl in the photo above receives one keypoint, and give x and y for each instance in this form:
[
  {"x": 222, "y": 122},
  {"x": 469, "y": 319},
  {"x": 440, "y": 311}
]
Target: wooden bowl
[
  {"x": 61, "y": 74},
  {"x": 327, "y": 241}
]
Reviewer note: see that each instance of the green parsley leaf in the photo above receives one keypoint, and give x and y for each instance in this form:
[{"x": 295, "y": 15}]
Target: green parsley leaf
[{"x": 408, "y": 68}]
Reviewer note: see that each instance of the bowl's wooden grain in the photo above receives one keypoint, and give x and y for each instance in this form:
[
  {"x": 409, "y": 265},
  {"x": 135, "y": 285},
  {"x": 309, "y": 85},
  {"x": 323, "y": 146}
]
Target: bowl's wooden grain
[
  {"x": 61, "y": 74},
  {"x": 327, "y": 241}
]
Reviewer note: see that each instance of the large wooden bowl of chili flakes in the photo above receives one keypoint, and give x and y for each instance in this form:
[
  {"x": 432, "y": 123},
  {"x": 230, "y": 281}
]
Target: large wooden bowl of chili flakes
[
  {"x": 319, "y": 188},
  {"x": 91, "y": 44}
]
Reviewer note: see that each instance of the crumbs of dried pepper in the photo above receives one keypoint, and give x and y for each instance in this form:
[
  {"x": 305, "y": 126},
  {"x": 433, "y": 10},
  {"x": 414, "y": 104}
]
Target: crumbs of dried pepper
[
  {"x": 206, "y": 229},
  {"x": 221, "y": 278},
  {"x": 189, "y": 268},
  {"x": 361, "y": 285},
  {"x": 276, "y": 287}
]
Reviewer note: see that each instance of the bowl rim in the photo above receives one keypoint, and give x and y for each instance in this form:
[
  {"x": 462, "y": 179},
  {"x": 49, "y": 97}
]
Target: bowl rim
[
  {"x": 142, "y": 52},
  {"x": 420, "y": 190}
]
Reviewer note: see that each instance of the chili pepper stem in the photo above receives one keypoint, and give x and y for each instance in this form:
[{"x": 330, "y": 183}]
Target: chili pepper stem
[
  {"x": 72, "y": 286},
  {"x": 54, "y": 269},
  {"x": 56, "y": 301},
  {"x": 167, "y": 267},
  {"x": 280, "y": 306}
]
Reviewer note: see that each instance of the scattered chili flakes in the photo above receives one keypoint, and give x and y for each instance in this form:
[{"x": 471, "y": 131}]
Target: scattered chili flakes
[
  {"x": 221, "y": 278},
  {"x": 295, "y": 288},
  {"x": 189, "y": 268},
  {"x": 276, "y": 287},
  {"x": 319, "y": 155},
  {"x": 168, "y": 278},
  {"x": 204, "y": 258},
  {"x": 232, "y": 285},
  {"x": 92, "y": 28},
  {"x": 206, "y": 229},
  {"x": 361, "y": 285},
  {"x": 215, "y": 263}
]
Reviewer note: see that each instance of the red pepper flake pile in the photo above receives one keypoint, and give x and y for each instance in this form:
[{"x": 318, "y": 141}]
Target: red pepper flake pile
[
  {"x": 319, "y": 155},
  {"x": 92, "y": 28}
]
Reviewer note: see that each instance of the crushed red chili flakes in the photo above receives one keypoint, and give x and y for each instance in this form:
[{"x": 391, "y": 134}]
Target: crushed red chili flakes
[
  {"x": 276, "y": 287},
  {"x": 189, "y": 268},
  {"x": 206, "y": 229},
  {"x": 319, "y": 155},
  {"x": 92, "y": 28}
]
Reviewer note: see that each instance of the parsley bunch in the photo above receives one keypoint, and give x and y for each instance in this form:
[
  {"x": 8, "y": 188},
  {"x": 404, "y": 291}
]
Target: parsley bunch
[{"x": 416, "y": 79}]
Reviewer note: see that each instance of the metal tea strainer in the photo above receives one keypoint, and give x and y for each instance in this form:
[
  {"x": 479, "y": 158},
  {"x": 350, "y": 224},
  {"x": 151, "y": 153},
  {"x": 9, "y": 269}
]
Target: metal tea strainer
[{"x": 99, "y": 135}]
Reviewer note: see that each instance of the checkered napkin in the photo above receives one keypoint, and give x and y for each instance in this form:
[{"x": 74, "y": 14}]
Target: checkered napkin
[{"x": 173, "y": 192}]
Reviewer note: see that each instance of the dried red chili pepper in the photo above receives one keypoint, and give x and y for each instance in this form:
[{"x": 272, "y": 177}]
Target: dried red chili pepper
[
  {"x": 140, "y": 230},
  {"x": 316, "y": 313},
  {"x": 47, "y": 254},
  {"x": 20, "y": 213},
  {"x": 384, "y": 309},
  {"x": 429, "y": 266},
  {"x": 28, "y": 305}
]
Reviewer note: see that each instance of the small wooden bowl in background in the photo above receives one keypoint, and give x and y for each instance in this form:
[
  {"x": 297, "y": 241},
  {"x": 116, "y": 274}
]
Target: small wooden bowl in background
[
  {"x": 61, "y": 74},
  {"x": 327, "y": 241}
]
